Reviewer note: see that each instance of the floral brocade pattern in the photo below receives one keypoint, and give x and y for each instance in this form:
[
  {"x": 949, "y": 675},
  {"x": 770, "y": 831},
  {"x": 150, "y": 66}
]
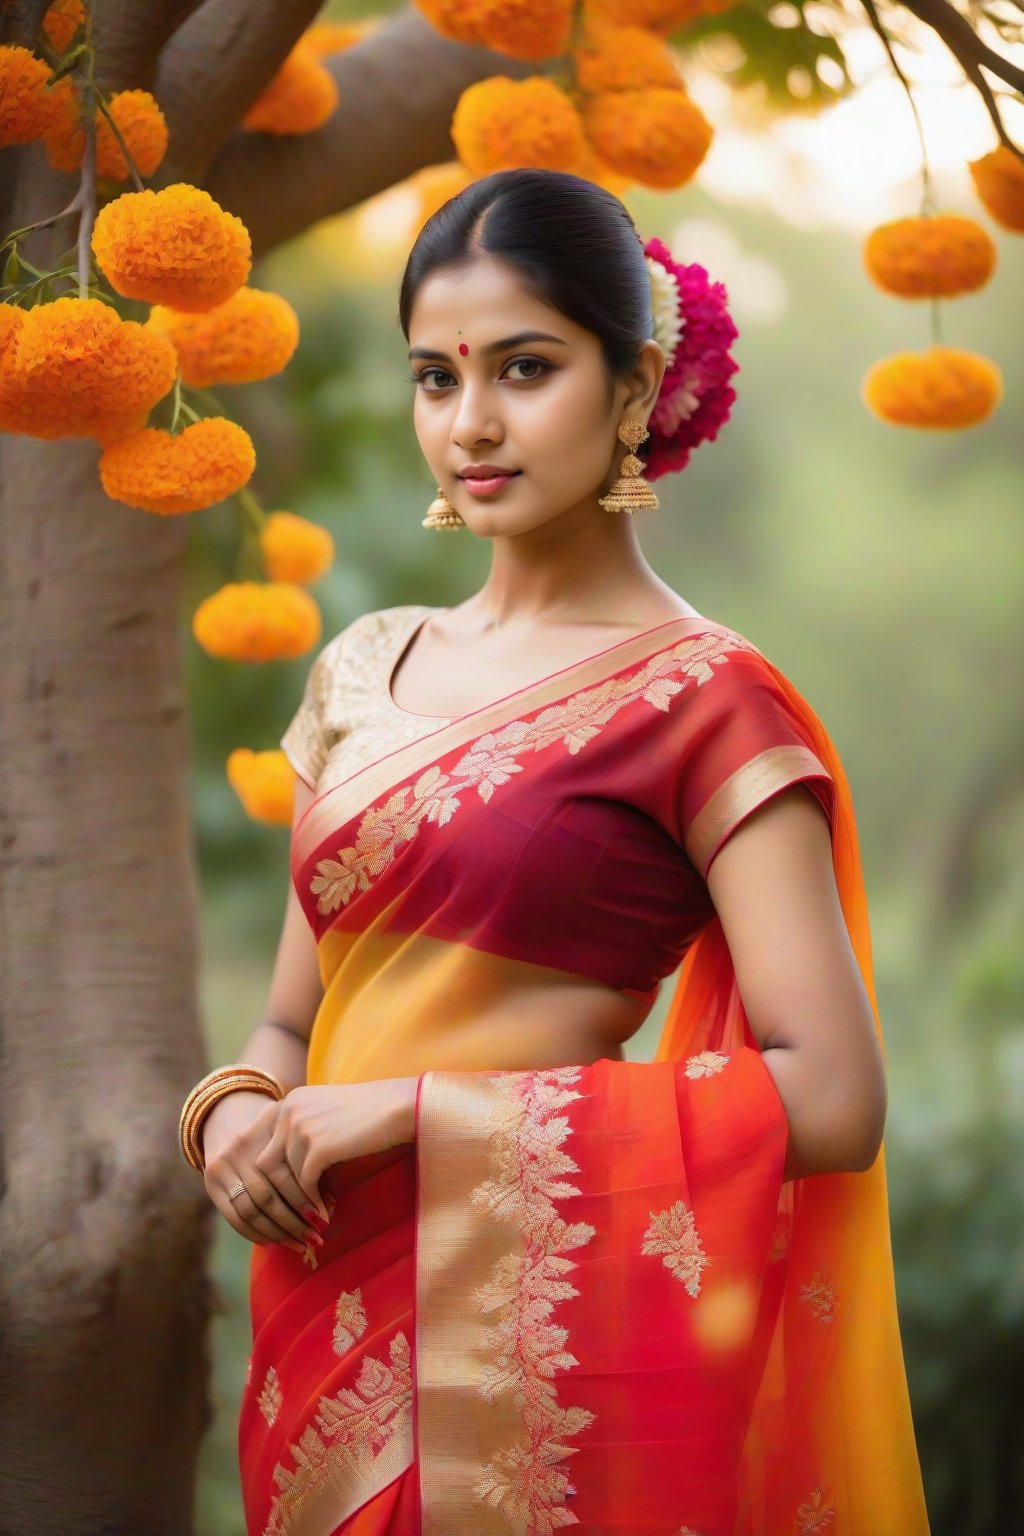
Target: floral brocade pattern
[
  {"x": 673, "y": 1234},
  {"x": 352, "y": 1427},
  {"x": 525, "y": 1348},
  {"x": 492, "y": 759}
]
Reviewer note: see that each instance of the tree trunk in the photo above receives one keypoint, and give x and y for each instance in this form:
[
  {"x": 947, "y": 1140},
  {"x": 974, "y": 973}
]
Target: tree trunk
[{"x": 104, "y": 1303}]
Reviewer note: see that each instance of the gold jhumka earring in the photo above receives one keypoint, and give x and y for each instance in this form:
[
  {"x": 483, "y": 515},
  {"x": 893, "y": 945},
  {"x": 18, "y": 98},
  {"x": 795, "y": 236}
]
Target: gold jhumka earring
[
  {"x": 441, "y": 513},
  {"x": 630, "y": 490}
]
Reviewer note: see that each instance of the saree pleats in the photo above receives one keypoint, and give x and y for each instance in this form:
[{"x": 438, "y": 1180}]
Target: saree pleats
[{"x": 585, "y": 1296}]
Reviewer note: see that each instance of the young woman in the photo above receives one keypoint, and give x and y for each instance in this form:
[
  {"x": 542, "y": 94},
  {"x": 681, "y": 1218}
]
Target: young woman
[{"x": 505, "y": 1280}]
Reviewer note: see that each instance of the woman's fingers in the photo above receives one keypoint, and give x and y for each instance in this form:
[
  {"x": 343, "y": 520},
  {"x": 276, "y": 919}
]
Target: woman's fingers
[
  {"x": 241, "y": 1207},
  {"x": 267, "y": 1196},
  {"x": 290, "y": 1190}
]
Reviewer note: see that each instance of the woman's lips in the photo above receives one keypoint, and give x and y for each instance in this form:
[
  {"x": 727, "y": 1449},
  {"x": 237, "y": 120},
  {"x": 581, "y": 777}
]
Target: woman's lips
[{"x": 486, "y": 485}]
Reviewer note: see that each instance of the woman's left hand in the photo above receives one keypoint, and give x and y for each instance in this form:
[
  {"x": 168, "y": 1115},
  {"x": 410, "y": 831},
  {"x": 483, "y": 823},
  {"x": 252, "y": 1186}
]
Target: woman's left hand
[{"x": 322, "y": 1124}]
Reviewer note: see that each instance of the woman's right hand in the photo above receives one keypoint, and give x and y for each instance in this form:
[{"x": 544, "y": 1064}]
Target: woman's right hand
[{"x": 233, "y": 1134}]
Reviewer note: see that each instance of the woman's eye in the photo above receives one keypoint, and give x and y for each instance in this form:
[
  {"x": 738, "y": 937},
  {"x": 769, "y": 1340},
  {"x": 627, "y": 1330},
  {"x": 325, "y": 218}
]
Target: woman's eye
[{"x": 426, "y": 374}]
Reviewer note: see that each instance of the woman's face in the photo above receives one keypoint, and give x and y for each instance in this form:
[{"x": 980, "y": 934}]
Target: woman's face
[{"x": 539, "y": 404}]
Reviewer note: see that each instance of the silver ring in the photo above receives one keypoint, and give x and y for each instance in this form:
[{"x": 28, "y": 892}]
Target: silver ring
[{"x": 236, "y": 1190}]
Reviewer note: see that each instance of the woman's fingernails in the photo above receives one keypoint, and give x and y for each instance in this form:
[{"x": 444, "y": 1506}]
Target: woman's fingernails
[
  {"x": 310, "y": 1212},
  {"x": 314, "y": 1237}
]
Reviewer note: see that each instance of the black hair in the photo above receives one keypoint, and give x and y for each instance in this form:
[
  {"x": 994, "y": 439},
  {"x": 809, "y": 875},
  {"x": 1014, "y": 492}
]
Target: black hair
[{"x": 573, "y": 243}]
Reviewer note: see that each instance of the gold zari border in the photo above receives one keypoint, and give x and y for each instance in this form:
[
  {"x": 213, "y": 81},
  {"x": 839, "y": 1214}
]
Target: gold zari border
[{"x": 742, "y": 792}]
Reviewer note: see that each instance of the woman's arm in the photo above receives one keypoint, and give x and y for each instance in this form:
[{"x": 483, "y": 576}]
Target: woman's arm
[{"x": 774, "y": 889}]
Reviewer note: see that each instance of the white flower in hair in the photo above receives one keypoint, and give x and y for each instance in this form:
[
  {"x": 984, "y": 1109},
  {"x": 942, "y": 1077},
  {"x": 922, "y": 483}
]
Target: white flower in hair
[{"x": 665, "y": 303}]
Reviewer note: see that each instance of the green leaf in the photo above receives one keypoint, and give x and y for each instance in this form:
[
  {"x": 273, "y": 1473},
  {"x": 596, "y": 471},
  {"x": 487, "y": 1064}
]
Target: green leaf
[{"x": 12, "y": 268}]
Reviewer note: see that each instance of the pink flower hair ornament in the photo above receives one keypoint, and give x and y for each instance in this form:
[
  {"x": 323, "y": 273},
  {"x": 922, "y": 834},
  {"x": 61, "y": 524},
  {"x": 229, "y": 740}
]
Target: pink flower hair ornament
[{"x": 693, "y": 326}]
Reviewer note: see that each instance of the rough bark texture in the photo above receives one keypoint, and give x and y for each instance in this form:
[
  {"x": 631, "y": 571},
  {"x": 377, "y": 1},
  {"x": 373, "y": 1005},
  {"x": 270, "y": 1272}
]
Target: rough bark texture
[{"x": 104, "y": 1301}]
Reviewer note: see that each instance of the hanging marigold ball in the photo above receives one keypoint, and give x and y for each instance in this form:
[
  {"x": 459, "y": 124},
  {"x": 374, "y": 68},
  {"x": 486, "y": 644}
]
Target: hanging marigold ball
[
  {"x": 265, "y": 784},
  {"x": 658, "y": 137},
  {"x": 26, "y": 106},
  {"x": 299, "y": 99},
  {"x": 525, "y": 29},
  {"x": 62, "y": 21},
  {"x": 139, "y": 119},
  {"x": 940, "y": 388},
  {"x": 250, "y": 336},
  {"x": 257, "y": 621},
  {"x": 999, "y": 182},
  {"x": 594, "y": 169},
  {"x": 156, "y": 472},
  {"x": 937, "y": 257},
  {"x": 500, "y": 123},
  {"x": 72, "y": 365},
  {"x": 176, "y": 247},
  {"x": 294, "y": 549},
  {"x": 624, "y": 59}
]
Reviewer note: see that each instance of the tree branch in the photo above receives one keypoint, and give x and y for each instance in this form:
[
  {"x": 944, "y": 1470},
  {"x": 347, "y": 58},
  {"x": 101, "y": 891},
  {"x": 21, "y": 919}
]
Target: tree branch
[
  {"x": 962, "y": 40},
  {"x": 398, "y": 88},
  {"x": 213, "y": 69}
]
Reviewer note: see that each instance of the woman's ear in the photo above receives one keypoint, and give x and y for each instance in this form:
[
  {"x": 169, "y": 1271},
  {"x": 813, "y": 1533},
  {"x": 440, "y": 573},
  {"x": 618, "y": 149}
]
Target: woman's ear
[{"x": 644, "y": 380}]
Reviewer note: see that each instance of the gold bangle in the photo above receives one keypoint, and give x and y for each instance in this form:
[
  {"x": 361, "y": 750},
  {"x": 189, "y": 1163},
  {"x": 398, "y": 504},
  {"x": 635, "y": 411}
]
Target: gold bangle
[{"x": 216, "y": 1085}]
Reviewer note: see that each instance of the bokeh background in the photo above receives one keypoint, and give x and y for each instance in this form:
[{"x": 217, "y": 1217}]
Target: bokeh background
[{"x": 879, "y": 568}]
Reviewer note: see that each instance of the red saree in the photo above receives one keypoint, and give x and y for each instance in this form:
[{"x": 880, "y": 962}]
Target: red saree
[{"x": 585, "y": 1296}]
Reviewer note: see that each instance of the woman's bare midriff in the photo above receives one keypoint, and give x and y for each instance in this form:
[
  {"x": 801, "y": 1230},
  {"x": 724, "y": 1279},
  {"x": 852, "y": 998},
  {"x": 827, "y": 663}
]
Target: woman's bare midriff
[{"x": 570, "y": 1023}]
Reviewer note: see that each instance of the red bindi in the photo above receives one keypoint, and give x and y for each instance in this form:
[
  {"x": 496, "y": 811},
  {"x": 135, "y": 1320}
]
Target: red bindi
[{"x": 463, "y": 349}]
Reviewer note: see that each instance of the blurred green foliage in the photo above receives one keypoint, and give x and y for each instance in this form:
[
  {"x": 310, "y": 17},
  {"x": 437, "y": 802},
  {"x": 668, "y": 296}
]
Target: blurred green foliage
[{"x": 880, "y": 569}]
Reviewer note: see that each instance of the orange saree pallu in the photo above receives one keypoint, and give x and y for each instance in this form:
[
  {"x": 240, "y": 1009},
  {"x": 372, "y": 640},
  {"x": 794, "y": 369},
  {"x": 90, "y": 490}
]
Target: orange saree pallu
[{"x": 585, "y": 1296}]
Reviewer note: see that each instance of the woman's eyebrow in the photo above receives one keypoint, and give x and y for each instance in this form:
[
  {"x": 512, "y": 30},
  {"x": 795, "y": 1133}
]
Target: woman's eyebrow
[{"x": 495, "y": 346}]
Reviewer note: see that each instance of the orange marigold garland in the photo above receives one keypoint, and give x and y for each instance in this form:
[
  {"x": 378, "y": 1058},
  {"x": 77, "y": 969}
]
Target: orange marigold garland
[
  {"x": 257, "y": 621},
  {"x": 500, "y": 123},
  {"x": 999, "y": 182},
  {"x": 156, "y": 472},
  {"x": 26, "y": 106},
  {"x": 73, "y": 365},
  {"x": 939, "y": 256},
  {"x": 265, "y": 784},
  {"x": 659, "y": 137},
  {"x": 294, "y": 549},
  {"x": 299, "y": 99},
  {"x": 175, "y": 247},
  {"x": 139, "y": 120},
  {"x": 525, "y": 29},
  {"x": 250, "y": 336},
  {"x": 941, "y": 388}
]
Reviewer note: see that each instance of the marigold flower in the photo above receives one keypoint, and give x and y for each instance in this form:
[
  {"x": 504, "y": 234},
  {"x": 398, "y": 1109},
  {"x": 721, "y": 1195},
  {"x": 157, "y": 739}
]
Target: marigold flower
[
  {"x": 624, "y": 59},
  {"x": 257, "y": 621},
  {"x": 299, "y": 99},
  {"x": 175, "y": 247},
  {"x": 26, "y": 106},
  {"x": 294, "y": 549},
  {"x": 73, "y": 364},
  {"x": 999, "y": 182},
  {"x": 500, "y": 123},
  {"x": 250, "y": 336},
  {"x": 156, "y": 472},
  {"x": 326, "y": 37},
  {"x": 265, "y": 784},
  {"x": 137, "y": 115},
  {"x": 937, "y": 257},
  {"x": 594, "y": 169},
  {"x": 657, "y": 136},
  {"x": 940, "y": 388},
  {"x": 526, "y": 29},
  {"x": 62, "y": 21},
  {"x": 654, "y": 15}
]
